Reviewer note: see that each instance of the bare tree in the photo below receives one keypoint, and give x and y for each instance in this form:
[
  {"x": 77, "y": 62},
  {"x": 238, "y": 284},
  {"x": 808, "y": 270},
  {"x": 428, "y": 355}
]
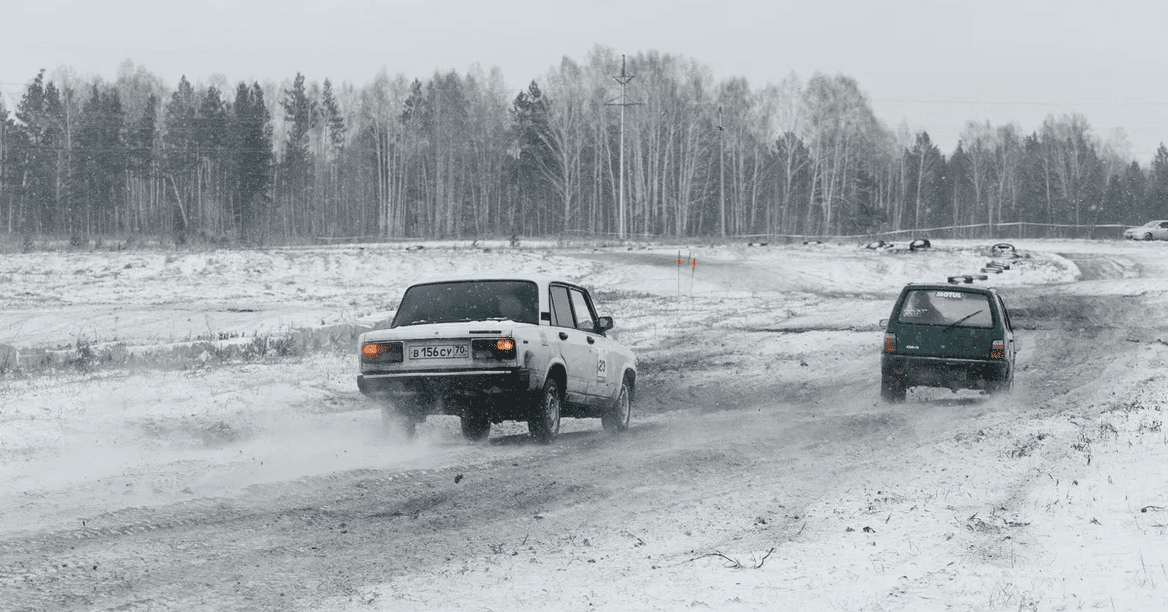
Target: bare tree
[
  {"x": 565, "y": 136},
  {"x": 978, "y": 141}
]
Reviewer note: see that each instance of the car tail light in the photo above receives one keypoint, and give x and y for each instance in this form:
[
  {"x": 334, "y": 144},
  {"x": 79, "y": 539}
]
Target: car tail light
[
  {"x": 382, "y": 351},
  {"x": 889, "y": 342},
  {"x": 998, "y": 350},
  {"x": 493, "y": 348}
]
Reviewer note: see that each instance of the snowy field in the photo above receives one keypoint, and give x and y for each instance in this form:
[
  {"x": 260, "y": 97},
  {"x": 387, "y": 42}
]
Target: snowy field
[
  {"x": 146, "y": 379},
  {"x": 141, "y": 299}
]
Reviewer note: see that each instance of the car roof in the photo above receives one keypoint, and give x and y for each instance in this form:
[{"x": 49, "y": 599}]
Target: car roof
[
  {"x": 542, "y": 280},
  {"x": 949, "y": 287}
]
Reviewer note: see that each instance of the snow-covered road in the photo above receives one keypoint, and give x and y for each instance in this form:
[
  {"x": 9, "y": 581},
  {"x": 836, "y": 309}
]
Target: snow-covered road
[{"x": 761, "y": 471}]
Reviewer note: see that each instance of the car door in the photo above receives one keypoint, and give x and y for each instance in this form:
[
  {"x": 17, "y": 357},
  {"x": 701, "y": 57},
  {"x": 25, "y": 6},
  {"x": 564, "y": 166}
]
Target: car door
[
  {"x": 598, "y": 378},
  {"x": 579, "y": 356},
  {"x": 1161, "y": 231}
]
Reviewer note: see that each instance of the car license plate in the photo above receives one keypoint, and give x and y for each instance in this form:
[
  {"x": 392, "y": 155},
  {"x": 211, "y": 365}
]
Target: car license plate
[{"x": 440, "y": 351}]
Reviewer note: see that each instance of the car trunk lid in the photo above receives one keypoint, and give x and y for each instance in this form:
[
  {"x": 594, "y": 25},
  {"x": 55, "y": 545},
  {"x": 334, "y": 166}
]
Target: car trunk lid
[{"x": 936, "y": 341}]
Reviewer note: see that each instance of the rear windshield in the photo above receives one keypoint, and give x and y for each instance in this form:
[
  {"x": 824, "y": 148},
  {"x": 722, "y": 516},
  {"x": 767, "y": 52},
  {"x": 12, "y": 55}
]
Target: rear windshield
[
  {"x": 469, "y": 301},
  {"x": 956, "y": 308}
]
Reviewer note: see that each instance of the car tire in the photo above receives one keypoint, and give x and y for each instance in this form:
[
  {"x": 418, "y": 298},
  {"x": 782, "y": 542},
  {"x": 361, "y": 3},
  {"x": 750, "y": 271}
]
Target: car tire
[
  {"x": 1148, "y": 236},
  {"x": 394, "y": 419},
  {"x": 544, "y": 423},
  {"x": 892, "y": 390},
  {"x": 475, "y": 424},
  {"x": 617, "y": 417}
]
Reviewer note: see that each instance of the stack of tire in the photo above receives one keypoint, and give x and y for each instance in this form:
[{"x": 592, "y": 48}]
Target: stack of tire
[{"x": 1002, "y": 250}]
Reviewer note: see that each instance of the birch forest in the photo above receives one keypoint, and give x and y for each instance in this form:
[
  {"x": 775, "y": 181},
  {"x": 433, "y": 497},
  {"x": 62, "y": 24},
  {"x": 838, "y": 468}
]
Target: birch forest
[{"x": 463, "y": 156}]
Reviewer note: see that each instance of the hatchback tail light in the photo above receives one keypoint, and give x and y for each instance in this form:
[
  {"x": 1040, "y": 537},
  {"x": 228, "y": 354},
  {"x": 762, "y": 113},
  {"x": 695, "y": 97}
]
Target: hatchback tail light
[
  {"x": 889, "y": 342},
  {"x": 998, "y": 350}
]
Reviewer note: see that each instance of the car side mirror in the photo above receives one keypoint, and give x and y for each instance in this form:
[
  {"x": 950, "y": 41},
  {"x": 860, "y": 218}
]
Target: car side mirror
[
  {"x": 883, "y": 322},
  {"x": 603, "y": 324}
]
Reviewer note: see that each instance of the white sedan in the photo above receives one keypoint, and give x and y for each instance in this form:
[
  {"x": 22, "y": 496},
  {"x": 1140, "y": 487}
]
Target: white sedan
[
  {"x": 494, "y": 349},
  {"x": 1152, "y": 230}
]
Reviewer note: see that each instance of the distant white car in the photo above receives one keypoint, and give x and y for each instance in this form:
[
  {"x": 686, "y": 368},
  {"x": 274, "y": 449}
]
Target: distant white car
[
  {"x": 1152, "y": 230},
  {"x": 494, "y": 349}
]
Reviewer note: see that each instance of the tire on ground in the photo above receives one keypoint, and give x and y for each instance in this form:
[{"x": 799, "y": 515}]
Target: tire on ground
[
  {"x": 616, "y": 418},
  {"x": 475, "y": 423},
  {"x": 544, "y": 422},
  {"x": 395, "y": 418},
  {"x": 892, "y": 390},
  {"x": 1002, "y": 387}
]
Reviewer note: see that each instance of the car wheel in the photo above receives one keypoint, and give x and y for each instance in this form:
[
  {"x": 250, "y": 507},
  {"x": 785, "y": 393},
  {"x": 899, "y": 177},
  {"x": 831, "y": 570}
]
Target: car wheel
[
  {"x": 1148, "y": 236},
  {"x": 892, "y": 390},
  {"x": 395, "y": 420},
  {"x": 475, "y": 425},
  {"x": 544, "y": 423},
  {"x": 617, "y": 417}
]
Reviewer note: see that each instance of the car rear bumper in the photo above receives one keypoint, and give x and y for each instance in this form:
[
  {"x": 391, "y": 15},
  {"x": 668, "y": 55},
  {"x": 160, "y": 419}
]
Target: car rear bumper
[
  {"x": 917, "y": 371},
  {"x": 451, "y": 391}
]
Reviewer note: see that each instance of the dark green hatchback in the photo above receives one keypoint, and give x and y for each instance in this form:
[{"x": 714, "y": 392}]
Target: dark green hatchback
[{"x": 947, "y": 336}]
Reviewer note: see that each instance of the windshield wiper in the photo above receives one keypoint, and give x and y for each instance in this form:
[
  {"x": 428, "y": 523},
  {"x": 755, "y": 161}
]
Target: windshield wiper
[{"x": 961, "y": 320}]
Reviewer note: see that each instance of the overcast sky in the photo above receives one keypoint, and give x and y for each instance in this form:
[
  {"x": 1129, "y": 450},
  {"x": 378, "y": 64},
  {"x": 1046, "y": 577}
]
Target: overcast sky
[{"x": 930, "y": 64}]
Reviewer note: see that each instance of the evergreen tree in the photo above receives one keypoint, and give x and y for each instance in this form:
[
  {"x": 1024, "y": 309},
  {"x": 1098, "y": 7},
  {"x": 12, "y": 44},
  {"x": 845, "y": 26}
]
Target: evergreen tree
[
  {"x": 211, "y": 123},
  {"x": 1135, "y": 192},
  {"x": 960, "y": 193},
  {"x": 252, "y": 152},
  {"x": 40, "y": 149},
  {"x": 8, "y": 181},
  {"x": 1157, "y": 193},
  {"x": 1033, "y": 194},
  {"x": 300, "y": 114},
  {"x": 212, "y": 137},
  {"x": 141, "y": 138},
  {"x": 530, "y": 153},
  {"x": 102, "y": 160},
  {"x": 1113, "y": 208},
  {"x": 333, "y": 138},
  {"x": 181, "y": 150},
  {"x": 334, "y": 121},
  {"x": 416, "y": 119}
]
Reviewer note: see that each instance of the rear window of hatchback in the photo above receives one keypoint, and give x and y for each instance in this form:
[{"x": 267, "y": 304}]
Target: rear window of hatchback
[{"x": 948, "y": 308}]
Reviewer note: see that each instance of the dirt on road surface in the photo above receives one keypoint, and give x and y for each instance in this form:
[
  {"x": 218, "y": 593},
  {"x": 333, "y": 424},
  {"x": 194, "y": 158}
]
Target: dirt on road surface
[{"x": 735, "y": 487}]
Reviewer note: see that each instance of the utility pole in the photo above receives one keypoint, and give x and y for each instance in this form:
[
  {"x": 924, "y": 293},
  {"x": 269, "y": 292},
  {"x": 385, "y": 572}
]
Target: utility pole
[
  {"x": 623, "y": 78},
  {"x": 721, "y": 173}
]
